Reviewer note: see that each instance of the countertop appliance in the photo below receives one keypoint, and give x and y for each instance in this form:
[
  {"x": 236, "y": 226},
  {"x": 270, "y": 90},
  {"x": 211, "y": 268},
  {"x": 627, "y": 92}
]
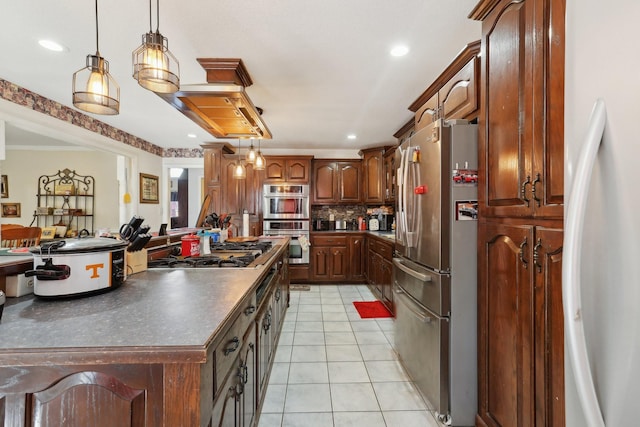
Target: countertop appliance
[
  {"x": 77, "y": 267},
  {"x": 385, "y": 222},
  {"x": 320, "y": 224},
  {"x": 341, "y": 224},
  {"x": 286, "y": 201},
  {"x": 434, "y": 272},
  {"x": 602, "y": 344}
]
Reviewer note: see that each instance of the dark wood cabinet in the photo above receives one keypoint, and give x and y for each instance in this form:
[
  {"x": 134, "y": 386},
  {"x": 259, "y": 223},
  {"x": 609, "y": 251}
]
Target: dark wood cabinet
[
  {"x": 356, "y": 247},
  {"x": 505, "y": 326},
  {"x": 374, "y": 184},
  {"x": 236, "y": 405},
  {"x": 521, "y": 122},
  {"x": 390, "y": 175},
  {"x": 228, "y": 194},
  {"x": 454, "y": 93},
  {"x": 288, "y": 169},
  {"x": 520, "y": 196},
  {"x": 380, "y": 270},
  {"x": 521, "y": 373},
  {"x": 378, "y": 175},
  {"x": 89, "y": 398},
  {"x": 329, "y": 263},
  {"x": 213, "y": 170},
  {"x": 337, "y": 257},
  {"x": 336, "y": 182},
  {"x": 349, "y": 182}
]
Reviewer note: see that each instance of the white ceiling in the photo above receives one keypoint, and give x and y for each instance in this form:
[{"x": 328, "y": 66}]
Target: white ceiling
[{"x": 321, "y": 69}]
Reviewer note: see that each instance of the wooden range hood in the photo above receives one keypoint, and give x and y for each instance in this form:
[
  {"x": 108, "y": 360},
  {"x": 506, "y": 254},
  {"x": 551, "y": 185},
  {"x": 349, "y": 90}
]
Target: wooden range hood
[{"x": 221, "y": 107}]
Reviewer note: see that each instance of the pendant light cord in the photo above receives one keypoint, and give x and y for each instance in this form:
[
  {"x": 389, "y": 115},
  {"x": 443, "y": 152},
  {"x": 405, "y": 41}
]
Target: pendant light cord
[
  {"x": 150, "y": 24},
  {"x": 97, "y": 39},
  {"x": 157, "y": 15}
]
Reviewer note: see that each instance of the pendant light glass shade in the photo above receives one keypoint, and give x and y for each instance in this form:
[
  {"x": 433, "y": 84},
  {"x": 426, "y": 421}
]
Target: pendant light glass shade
[
  {"x": 239, "y": 171},
  {"x": 154, "y": 66},
  {"x": 260, "y": 162},
  {"x": 94, "y": 89},
  {"x": 251, "y": 154}
]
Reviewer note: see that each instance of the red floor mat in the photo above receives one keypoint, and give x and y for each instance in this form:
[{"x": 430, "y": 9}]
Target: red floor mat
[{"x": 371, "y": 309}]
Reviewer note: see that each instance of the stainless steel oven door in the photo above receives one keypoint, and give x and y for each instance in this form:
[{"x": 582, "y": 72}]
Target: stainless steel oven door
[
  {"x": 293, "y": 229},
  {"x": 286, "y": 201},
  {"x": 296, "y": 254}
]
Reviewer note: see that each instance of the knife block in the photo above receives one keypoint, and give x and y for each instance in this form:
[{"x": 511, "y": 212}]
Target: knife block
[{"x": 136, "y": 261}]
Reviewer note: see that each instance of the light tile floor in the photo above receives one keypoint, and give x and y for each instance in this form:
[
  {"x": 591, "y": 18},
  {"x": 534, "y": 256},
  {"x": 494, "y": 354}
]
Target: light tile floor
[{"x": 334, "y": 369}]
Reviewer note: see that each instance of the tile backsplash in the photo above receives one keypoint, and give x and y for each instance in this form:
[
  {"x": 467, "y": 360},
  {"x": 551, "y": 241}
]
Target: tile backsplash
[{"x": 340, "y": 212}]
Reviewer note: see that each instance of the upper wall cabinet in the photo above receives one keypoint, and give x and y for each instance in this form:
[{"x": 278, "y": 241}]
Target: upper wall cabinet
[
  {"x": 288, "y": 169},
  {"x": 521, "y": 142},
  {"x": 336, "y": 181},
  {"x": 454, "y": 94},
  {"x": 373, "y": 175}
]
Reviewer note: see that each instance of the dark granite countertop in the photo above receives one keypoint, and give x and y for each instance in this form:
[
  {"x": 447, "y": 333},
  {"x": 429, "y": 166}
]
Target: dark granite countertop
[{"x": 157, "y": 310}]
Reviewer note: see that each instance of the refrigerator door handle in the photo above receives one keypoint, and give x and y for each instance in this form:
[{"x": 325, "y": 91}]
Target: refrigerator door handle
[
  {"x": 420, "y": 276},
  {"x": 422, "y": 316},
  {"x": 574, "y": 222}
]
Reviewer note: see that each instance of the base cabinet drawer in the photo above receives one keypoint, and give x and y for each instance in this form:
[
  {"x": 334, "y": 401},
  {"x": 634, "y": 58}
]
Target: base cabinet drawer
[{"x": 228, "y": 348}]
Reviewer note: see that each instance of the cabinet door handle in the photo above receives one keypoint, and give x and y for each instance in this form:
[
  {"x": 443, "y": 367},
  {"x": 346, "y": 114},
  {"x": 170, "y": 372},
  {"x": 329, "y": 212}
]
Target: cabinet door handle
[
  {"x": 235, "y": 343},
  {"x": 536, "y": 255},
  {"x": 521, "y": 255},
  {"x": 523, "y": 189},
  {"x": 243, "y": 373},
  {"x": 533, "y": 189}
]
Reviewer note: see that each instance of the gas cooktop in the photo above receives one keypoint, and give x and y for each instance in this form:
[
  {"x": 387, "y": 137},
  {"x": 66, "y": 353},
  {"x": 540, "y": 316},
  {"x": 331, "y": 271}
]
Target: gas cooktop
[{"x": 223, "y": 255}]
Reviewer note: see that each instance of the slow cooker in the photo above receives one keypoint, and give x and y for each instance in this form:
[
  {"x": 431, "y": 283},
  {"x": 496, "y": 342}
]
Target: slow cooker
[{"x": 78, "y": 267}]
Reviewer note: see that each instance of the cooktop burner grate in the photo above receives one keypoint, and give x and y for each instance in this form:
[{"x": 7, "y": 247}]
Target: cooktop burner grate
[{"x": 235, "y": 260}]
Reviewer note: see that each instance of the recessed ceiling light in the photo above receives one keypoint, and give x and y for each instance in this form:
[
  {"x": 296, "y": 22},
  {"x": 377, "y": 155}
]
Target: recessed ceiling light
[
  {"x": 192, "y": 135},
  {"x": 351, "y": 136},
  {"x": 399, "y": 50},
  {"x": 51, "y": 45}
]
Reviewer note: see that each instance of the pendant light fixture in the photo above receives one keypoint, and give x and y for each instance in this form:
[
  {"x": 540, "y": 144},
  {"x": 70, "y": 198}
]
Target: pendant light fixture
[
  {"x": 239, "y": 171},
  {"x": 251, "y": 154},
  {"x": 94, "y": 90},
  {"x": 260, "y": 162},
  {"x": 154, "y": 66}
]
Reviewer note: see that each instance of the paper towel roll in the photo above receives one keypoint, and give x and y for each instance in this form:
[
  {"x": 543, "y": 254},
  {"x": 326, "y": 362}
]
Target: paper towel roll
[{"x": 245, "y": 224}]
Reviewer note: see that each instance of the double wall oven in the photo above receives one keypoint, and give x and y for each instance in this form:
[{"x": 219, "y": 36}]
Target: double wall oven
[{"x": 286, "y": 213}]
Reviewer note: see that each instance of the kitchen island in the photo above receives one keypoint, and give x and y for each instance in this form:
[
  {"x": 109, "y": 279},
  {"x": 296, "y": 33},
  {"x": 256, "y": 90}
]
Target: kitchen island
[{"x": 167, "y": 348}]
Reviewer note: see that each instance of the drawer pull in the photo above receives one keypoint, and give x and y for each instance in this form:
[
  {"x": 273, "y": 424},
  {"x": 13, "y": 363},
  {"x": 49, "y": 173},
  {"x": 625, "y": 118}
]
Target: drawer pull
[
  {"x": 235, "y": 343},
  {"x": 250, "y": 310}
]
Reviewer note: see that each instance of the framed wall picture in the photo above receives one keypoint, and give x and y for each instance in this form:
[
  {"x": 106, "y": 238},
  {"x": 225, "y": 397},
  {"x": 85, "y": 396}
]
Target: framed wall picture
[
  {"x": 149, "y": 189},
  {"x": 11, "y": 210},
  {"x": 4, "y": 187}
]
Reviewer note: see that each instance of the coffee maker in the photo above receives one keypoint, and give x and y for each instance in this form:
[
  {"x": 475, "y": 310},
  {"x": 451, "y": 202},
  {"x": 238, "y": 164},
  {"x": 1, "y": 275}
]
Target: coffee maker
[{"x": 385, "y": 221}]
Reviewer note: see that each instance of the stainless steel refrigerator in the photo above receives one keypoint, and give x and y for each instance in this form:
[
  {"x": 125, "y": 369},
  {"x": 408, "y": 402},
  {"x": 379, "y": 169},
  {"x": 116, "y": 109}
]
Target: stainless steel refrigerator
[
  {"x": 434, "y": 270},
  {"x": 602, "y": 230}
]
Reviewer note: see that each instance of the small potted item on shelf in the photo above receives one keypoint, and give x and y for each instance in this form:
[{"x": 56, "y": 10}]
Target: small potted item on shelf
[
  {"x": 64, "y": 189},
  {"x": 44, "y": 210},
  {"x": 61, "y": 229}
]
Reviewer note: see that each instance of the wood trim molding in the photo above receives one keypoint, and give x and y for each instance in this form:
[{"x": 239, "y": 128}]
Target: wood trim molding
[
  {"x": 482, "y": 9},
  {"x": 226, "y": 71},
  {"x": 405, "y": 128},
  {"x": 470, "y": 50}
]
